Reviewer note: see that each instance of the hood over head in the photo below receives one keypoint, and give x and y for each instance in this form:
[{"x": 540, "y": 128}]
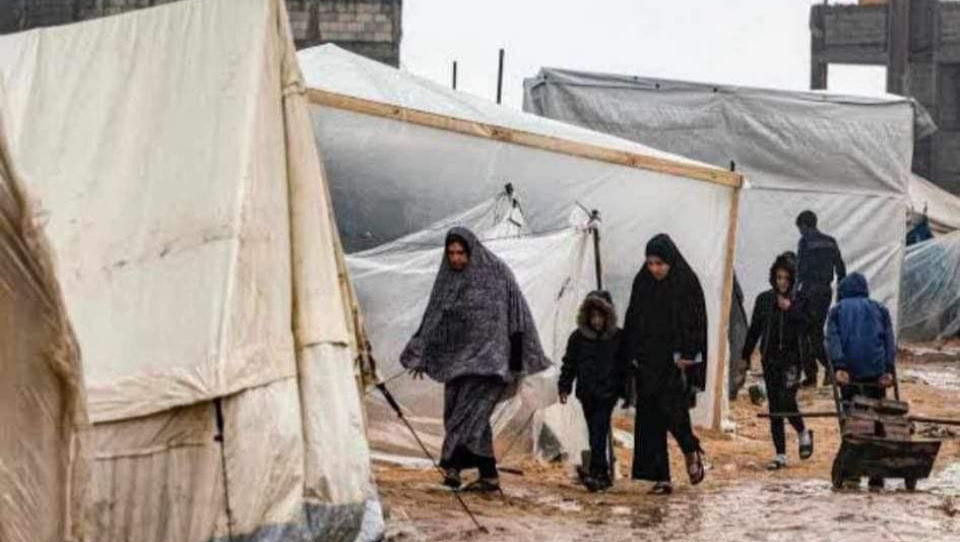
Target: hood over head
[
  {"x": 599, "y": 300},
  {"x": 854, "y": 285}
]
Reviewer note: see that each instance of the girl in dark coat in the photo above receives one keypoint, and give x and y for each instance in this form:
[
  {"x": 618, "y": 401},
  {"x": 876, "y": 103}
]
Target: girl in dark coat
[
  {"x": 591, "y": 360},
  {"x": 780, "y": 324},
  {"x": 665, "y": 340}
]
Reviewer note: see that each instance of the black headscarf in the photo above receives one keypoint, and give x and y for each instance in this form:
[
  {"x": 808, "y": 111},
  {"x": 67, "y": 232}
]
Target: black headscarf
[{"x": 666, "y": 317}]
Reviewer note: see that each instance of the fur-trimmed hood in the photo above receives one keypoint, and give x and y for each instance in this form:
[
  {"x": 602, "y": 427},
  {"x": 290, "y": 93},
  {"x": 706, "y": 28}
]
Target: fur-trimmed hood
[{"x": 597, "y": 301}]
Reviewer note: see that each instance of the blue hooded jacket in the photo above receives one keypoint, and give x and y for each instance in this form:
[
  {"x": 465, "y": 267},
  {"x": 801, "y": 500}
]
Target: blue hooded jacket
[{"x": 860, "y": 336}]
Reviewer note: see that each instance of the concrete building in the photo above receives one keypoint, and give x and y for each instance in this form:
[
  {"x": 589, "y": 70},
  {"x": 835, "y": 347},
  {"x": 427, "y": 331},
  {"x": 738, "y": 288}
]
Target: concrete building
[{"x": 919, "y": 43}]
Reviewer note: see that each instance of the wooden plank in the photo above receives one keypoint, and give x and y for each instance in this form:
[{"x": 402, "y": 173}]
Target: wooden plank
[
  {"x": 720, "y": 397},
  {"x": 527, "y": 139}
]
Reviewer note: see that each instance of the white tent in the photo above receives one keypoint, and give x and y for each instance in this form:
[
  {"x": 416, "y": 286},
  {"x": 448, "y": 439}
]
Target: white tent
[
  {"x": 402, "y": 153},
  {"x": 393, "y": 283},
  {"x": 170, "y": 154},
  {"x": 846, "y": 158}
]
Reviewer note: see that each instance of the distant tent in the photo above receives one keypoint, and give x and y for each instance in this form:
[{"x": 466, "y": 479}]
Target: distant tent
[
  {"x": 403, "y": 153},
  {"x": 931, "y": 290},
  {"x": 846, "y": 158},
  {"x": 931, "y": 204},
  {"x": 171, "y": 159},
  {"x": 555, "y": 270}
]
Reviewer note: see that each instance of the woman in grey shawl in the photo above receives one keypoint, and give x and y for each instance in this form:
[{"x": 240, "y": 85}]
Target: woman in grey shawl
[{"x": 478, "y": 338}]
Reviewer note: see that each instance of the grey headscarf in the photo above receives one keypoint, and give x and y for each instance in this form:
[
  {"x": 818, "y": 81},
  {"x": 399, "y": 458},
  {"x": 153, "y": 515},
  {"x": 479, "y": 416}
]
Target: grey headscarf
[{"x": 477, "y": 321}]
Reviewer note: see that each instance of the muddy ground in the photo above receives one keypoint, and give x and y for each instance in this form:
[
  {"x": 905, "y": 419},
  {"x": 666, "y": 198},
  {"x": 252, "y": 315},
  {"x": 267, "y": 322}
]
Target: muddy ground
[{"x": 739, "y": 500}]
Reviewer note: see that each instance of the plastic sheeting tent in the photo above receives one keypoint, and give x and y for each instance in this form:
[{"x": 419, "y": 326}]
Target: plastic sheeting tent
[
  {"x": 846, "y": 158},
  {"x": 931, "y": 290},
  {"x": 403, "y": 153},
  {"x": 171, "y": 156},
  {"x": 555, "y": 270},
  {"x": 42, "y": 407}
]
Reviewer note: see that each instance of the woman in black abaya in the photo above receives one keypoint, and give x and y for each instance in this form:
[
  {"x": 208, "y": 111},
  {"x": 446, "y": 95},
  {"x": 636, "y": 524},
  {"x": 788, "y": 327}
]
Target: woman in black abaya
[{"x": 665, "y": 341}]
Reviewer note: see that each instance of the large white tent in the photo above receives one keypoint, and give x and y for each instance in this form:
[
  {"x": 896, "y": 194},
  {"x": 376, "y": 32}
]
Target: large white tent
[
  {"x": 402, "y": 153},
  {"x": 171, "y": 160},
  {"x": 846, "y": 158}
]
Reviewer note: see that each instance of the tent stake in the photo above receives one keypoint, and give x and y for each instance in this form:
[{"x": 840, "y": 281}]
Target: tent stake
[{"x": 396, "y": 408}]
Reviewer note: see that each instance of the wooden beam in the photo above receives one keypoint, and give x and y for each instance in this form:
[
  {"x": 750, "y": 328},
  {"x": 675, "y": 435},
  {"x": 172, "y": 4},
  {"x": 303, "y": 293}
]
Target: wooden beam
[
  {"x": 818, "y": 65},
  {"x": 527, "y": 139},
  {"x": 723, "y": 353}
]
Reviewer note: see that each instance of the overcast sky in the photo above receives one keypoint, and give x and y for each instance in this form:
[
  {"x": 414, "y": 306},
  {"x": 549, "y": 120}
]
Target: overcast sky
[{"x": 746, "y": 42}]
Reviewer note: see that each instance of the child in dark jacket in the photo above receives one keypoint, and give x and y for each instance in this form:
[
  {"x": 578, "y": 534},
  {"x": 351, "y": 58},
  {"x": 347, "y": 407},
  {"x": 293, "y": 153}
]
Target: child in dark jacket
[
  {"x": 591, "y": 360},
  {"x": 861, "y": 344},
  {"x": 780, "y": 324}
]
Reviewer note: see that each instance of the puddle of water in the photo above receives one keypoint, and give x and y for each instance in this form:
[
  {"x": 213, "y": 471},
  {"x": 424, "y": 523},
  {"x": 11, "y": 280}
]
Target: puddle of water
[{"x": 945, "y": 377}]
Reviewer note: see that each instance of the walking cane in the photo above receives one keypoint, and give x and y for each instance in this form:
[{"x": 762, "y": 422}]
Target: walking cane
[{"x": 396, "y": 408}]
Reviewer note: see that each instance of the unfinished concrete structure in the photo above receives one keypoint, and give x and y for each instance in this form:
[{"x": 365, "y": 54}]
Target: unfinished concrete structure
[
  {"x": 919, "y": 43},
  {"x": 367, "y": 27}
]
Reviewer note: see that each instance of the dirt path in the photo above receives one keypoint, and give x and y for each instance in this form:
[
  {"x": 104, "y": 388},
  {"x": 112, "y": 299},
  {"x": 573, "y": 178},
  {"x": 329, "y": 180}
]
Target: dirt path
[{"x": 740, "y": 500}]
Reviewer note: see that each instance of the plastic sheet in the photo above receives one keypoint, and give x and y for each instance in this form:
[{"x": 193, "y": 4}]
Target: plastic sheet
[{"x": 931, "y": 290}]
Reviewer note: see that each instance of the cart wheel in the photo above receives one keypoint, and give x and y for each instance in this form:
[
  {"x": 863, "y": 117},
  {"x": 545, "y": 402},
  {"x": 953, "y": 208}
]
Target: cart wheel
[
  {"x": 910, "y": 483},
  {"x": 836, "y": 474}
]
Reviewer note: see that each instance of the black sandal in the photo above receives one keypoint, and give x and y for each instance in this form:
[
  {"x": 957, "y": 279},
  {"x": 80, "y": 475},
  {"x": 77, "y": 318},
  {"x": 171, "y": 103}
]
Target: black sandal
[
  {"x": 451, "y": 478},
  {"x": 661, "y": 488},
  {"x": 695, "y": 459},
  {"x": 483, "y": 485}
]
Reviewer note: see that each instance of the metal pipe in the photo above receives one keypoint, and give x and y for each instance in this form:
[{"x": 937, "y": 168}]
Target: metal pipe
[
  {"x": 500, "y": 78},
  {"x": 454, "y": 75}
]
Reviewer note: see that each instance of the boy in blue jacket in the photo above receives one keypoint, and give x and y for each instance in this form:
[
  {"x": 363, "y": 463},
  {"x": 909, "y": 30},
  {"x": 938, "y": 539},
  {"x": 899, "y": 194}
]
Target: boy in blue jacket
[{"x": 861, "y": 344}]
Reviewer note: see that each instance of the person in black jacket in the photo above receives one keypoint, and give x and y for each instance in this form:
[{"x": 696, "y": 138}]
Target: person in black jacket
[
  {"x": 780, "y": 325},
  {"x": 591, "y": 360},
  {"x": 818, "y": 262},
  {"x": 665, "y": 341}
]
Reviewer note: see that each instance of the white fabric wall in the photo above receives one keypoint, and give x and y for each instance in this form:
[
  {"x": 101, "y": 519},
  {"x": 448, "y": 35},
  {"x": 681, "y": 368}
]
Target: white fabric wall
[
  {"x": 390, "y": 178},
  {"x": 846, "y": 158}
]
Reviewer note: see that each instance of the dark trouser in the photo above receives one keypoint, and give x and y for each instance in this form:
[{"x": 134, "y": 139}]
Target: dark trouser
[
  {"x": 818, "y": 298},
  {"x": 656, "y": 415},
  {"x": 468, "y": 403},
  {"x": 598, "y": 412},
  {"x": 780, "y": 399},
  {"x": 868, "y": 387}
]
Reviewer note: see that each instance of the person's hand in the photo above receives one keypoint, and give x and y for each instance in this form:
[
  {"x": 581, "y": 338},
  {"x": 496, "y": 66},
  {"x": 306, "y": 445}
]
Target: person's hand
[
  {"x": 886, "y": 380},
  {"x": 684, "y": 363},
  {"x": 417, "y": 373},
  {"x": 842, "y": 377},
  {"x": 563, "y": 398},
  {"x": 784, "y": 303}
]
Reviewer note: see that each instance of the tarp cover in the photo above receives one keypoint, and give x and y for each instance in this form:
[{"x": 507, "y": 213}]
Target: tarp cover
[
  {"x": 42, "y": 407},
  {"x": 941, "y": 207},
  {"x": 554, "y": 270},
  {"x": 846, "y": 158},
  {"x": 171, "y": 155},
  {"x": 390, "y": 178},
  {"x": 931, "y": 290}
]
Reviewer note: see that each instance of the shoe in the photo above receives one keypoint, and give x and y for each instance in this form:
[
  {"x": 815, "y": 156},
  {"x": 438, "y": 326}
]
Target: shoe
[
  {"x": 592, "y": 484},
  {"x": 483, "y": 485},
  {"x": 661, "y": 488},
  {"x": 875, "y": 485},
  {"x": 451, "y": 478},
  {"x": 695, "y": 469},
  {"x": 806, "y": 444},
  {"x": 778, "y": 462}
]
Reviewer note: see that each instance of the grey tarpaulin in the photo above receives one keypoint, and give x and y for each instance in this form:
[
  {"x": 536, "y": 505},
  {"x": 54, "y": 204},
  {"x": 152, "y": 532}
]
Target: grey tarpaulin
[{"x": 847, "y": 158}]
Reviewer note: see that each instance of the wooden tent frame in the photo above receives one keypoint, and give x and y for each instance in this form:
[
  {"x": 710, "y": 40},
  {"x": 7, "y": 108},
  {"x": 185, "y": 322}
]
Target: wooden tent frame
[{"x": 730, "y": 179}]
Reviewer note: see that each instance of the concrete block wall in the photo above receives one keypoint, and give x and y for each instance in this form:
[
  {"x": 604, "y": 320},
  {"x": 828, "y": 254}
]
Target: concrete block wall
[{"x": 369, "y": 27}]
